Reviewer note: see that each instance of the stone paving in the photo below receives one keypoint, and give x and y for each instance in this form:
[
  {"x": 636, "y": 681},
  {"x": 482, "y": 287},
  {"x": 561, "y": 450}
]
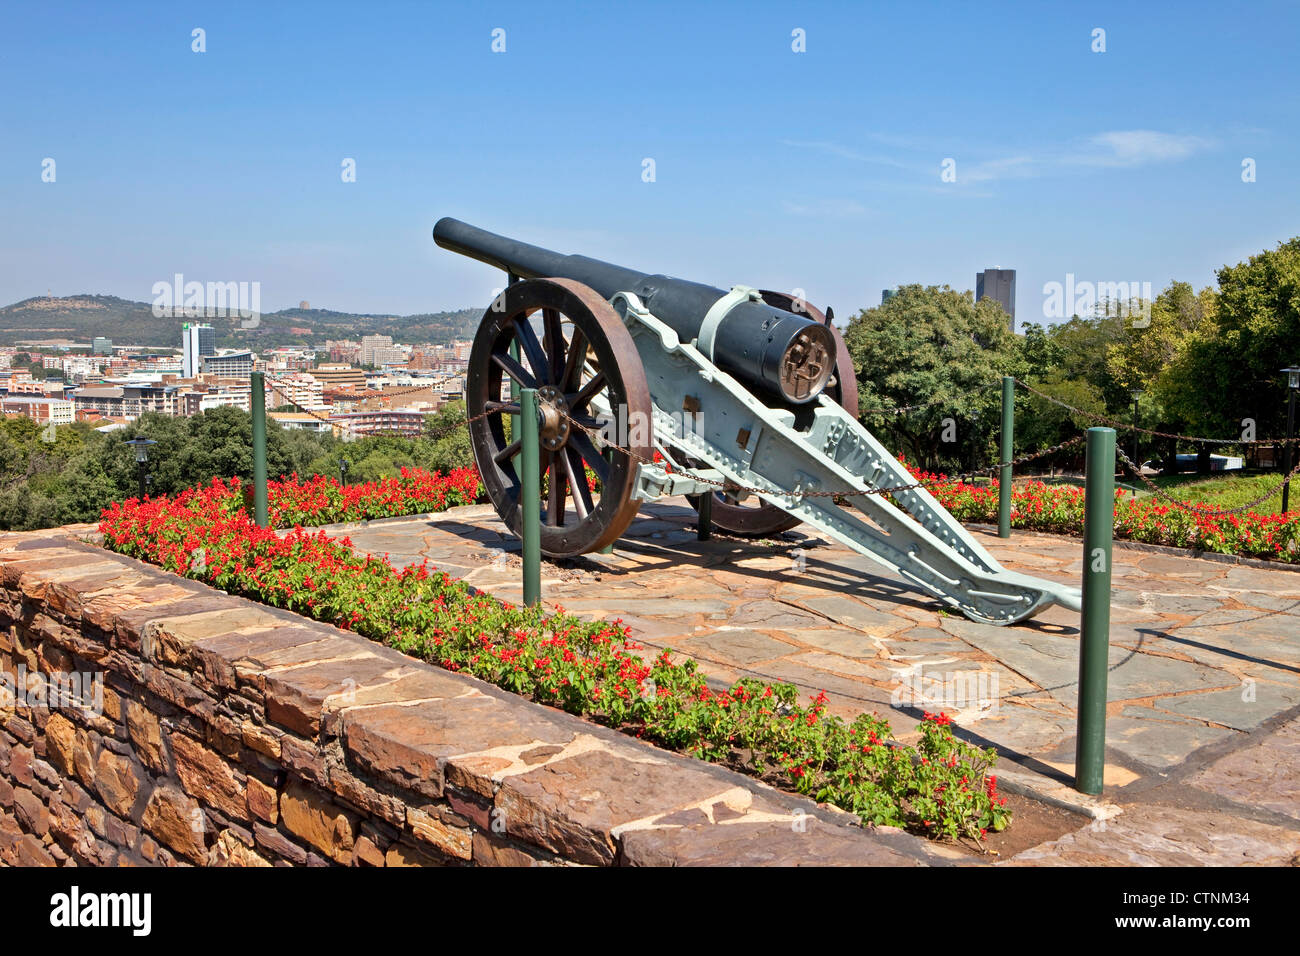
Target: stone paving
[{"x": 1205, "y": 657}]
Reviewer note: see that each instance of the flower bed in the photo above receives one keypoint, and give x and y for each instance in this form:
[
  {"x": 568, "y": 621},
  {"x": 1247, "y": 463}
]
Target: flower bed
[
  {"x": 293, "y": 501},
  {"x": 1036, "y": 506},
  {"x": 940, "y": 788}
]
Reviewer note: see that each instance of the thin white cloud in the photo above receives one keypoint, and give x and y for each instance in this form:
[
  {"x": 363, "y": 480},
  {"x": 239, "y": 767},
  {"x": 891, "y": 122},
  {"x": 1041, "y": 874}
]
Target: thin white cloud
[
  {"x": 1139, "y": 147},
  {"x": 826, "y": 208},
  {"x": 1012, "y": 167},
  {"x": 1114, "y": 149},
  {"x": 845, "y": 152}
]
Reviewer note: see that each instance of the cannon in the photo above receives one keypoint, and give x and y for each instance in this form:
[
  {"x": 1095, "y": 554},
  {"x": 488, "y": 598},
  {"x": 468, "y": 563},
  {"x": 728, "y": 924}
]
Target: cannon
[{"x": 640, "y": 375}]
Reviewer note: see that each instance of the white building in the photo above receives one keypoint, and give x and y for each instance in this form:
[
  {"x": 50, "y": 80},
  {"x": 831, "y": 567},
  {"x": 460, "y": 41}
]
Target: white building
[
  {"x": 302, "y": 391},
  {"x": 227, "y": 365},
  {"x": 197, "y": 342},
  {"x": 43, "y": 410}
]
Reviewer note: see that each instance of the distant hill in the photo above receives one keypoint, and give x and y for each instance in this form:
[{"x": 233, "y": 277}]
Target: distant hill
[{"x": 82, "y": 317}]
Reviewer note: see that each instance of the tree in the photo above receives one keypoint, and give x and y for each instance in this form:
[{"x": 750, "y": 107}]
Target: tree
[
  {"x": 448, "y": 439},
  {"x": 932, "y": 344},
  {"x": 1228, "y": 369}
]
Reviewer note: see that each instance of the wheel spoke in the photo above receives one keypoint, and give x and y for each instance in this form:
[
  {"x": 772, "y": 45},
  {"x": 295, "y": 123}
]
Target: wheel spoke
[
  {"x": 553, "y": 342},
  {"x": 532, "y": 348},
  {"x": 555, "y": 507},
  {"x": 494, "y": 408},
  {"x": 588, "y": 421},
  {"x": 505, "y": 454},
  {"x": 514, "y": 369},
  {"x": 594, "y": 459},
  {"x": 582, "y": 502},
  {"x": 573, "y": 361},
  {"x": 586, "y": 393}
]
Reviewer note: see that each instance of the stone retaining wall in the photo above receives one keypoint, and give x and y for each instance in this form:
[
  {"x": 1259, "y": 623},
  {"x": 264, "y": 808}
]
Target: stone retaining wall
[{"x": 228, "y": 733}]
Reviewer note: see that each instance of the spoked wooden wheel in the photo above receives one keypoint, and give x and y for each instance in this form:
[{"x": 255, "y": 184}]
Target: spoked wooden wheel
[
  {"x": 754, "y": 516},
  {"x": 574, "y": 349}
]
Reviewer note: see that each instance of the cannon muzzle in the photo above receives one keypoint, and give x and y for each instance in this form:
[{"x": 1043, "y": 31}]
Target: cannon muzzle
[{"x": 780, "y": 352}]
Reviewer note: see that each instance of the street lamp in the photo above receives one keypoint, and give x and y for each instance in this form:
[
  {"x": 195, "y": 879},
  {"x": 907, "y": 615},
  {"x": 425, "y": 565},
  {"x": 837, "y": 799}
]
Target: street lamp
[
  {"x": 141, "y": 446},
  {"x": 343, "y": 470},
  {"x": 1137, "y": 462},
  {"x": 1293, "y": 384}
]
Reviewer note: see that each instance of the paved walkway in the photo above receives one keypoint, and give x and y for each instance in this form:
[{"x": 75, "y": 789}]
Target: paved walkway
[{"x": 1205, "y": 659}]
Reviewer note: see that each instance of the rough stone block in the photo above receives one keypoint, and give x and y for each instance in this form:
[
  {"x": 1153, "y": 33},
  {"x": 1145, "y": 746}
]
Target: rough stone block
[
  {"x": 117, "y": 781},
  {"x": 177, "y": 821},
  {"x": 310, "y": 815},
  {"x": 450, "y": 840},
  {"x": 207, "y": 776}
]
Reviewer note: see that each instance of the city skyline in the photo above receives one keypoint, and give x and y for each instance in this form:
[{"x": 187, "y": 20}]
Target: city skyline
[{"x": 814, "y": 170}]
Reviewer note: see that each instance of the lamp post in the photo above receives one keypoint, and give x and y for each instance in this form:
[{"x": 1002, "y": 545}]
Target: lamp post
[
  {"x": 1137, "y": 462},
  {"x": 1293, "y": 384},
  {"x": 141, "y": 446},
  {"x": 343, "y": 470}
]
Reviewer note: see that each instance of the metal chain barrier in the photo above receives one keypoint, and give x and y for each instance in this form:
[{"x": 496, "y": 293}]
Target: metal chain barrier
[
  {"x": 1199, "y": 509},
  {"x": 730, "y": 487},
  {"x": 904, "y": 409},
  {"x": 1113, "y": 423},
  {"x": 352, "y": 429},
  {"x": 1041, "y": 453}
]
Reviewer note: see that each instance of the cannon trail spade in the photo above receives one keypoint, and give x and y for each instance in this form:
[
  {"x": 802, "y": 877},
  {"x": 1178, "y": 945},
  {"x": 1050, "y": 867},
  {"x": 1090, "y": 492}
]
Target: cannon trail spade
[{"x": 763, "y": 382}]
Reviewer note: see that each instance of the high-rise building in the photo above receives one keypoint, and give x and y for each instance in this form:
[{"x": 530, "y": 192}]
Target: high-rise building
[
  {"x": 371, "y": 342},
  {"x": 887, "y": 294},
  {"x": 101, "y": 346},
  {"x": 1000, "y": 285},
  {"x": 197, "y": 342}
]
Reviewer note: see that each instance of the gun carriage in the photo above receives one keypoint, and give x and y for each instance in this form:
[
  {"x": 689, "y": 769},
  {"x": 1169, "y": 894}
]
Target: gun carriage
[{"x": 752, "y": 392}]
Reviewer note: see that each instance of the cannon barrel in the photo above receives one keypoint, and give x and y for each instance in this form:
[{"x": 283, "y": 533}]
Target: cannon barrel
[{"x": 781, "y": 352}]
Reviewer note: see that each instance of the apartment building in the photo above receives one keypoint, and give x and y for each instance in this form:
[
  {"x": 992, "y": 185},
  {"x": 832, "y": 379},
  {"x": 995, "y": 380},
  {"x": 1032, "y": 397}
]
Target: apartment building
[{"x": 43, "y": 410}]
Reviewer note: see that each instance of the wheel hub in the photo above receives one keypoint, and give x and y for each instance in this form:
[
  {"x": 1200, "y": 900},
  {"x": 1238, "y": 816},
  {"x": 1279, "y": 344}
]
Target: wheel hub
[{"x": 553, "y": 429}]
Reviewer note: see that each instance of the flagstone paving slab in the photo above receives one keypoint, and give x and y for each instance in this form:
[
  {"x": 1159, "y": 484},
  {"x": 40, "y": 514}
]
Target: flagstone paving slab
[
  {"x": 1186, "y": 632},
  {"x": 1159, "y": 743},
  {"x": 1266, "y": 774},
  {"x": 1168, "y": 836},
  {"x": 1242, "y": 708},
  {"x": 740, "y": 645}
]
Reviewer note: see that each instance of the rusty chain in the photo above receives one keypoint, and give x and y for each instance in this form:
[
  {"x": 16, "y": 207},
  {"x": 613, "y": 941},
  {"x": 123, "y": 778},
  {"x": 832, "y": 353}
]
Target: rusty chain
[
  {"x": 1041, "y": 453},
  {"x": 1114, "y": 423},
  {"x": 1202, "y": 509},
  {"x": 903, "y": 409},
  {"x": 352, "y": 429},
  {"x": 730, "y": 487}
]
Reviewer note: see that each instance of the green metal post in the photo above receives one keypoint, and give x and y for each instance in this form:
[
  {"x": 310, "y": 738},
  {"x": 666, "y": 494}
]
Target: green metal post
[
  {"x": 259, "y": 449},
  {"x": 705, "y": 526},
  {"x": 1004, "y": 471},
  {"x": 608, "y": 454},
  {"x": 514, "y": 391},
  {"x": 531, "y": 492},
  {"x": 1094, "y": 625}
]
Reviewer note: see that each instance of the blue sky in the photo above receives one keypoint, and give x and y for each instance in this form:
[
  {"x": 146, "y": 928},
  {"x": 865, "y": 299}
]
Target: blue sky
[{"x": 817, "y": 170}]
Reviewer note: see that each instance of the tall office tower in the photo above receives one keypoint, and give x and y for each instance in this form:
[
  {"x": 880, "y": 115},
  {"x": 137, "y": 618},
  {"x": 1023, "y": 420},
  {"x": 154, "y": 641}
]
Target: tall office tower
[
  {"x": 887, "y": 294},
  {"x": 371, "y": 342},
  {"x": 999, "y": 284},
  {"x": 197, "y": 341}
]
